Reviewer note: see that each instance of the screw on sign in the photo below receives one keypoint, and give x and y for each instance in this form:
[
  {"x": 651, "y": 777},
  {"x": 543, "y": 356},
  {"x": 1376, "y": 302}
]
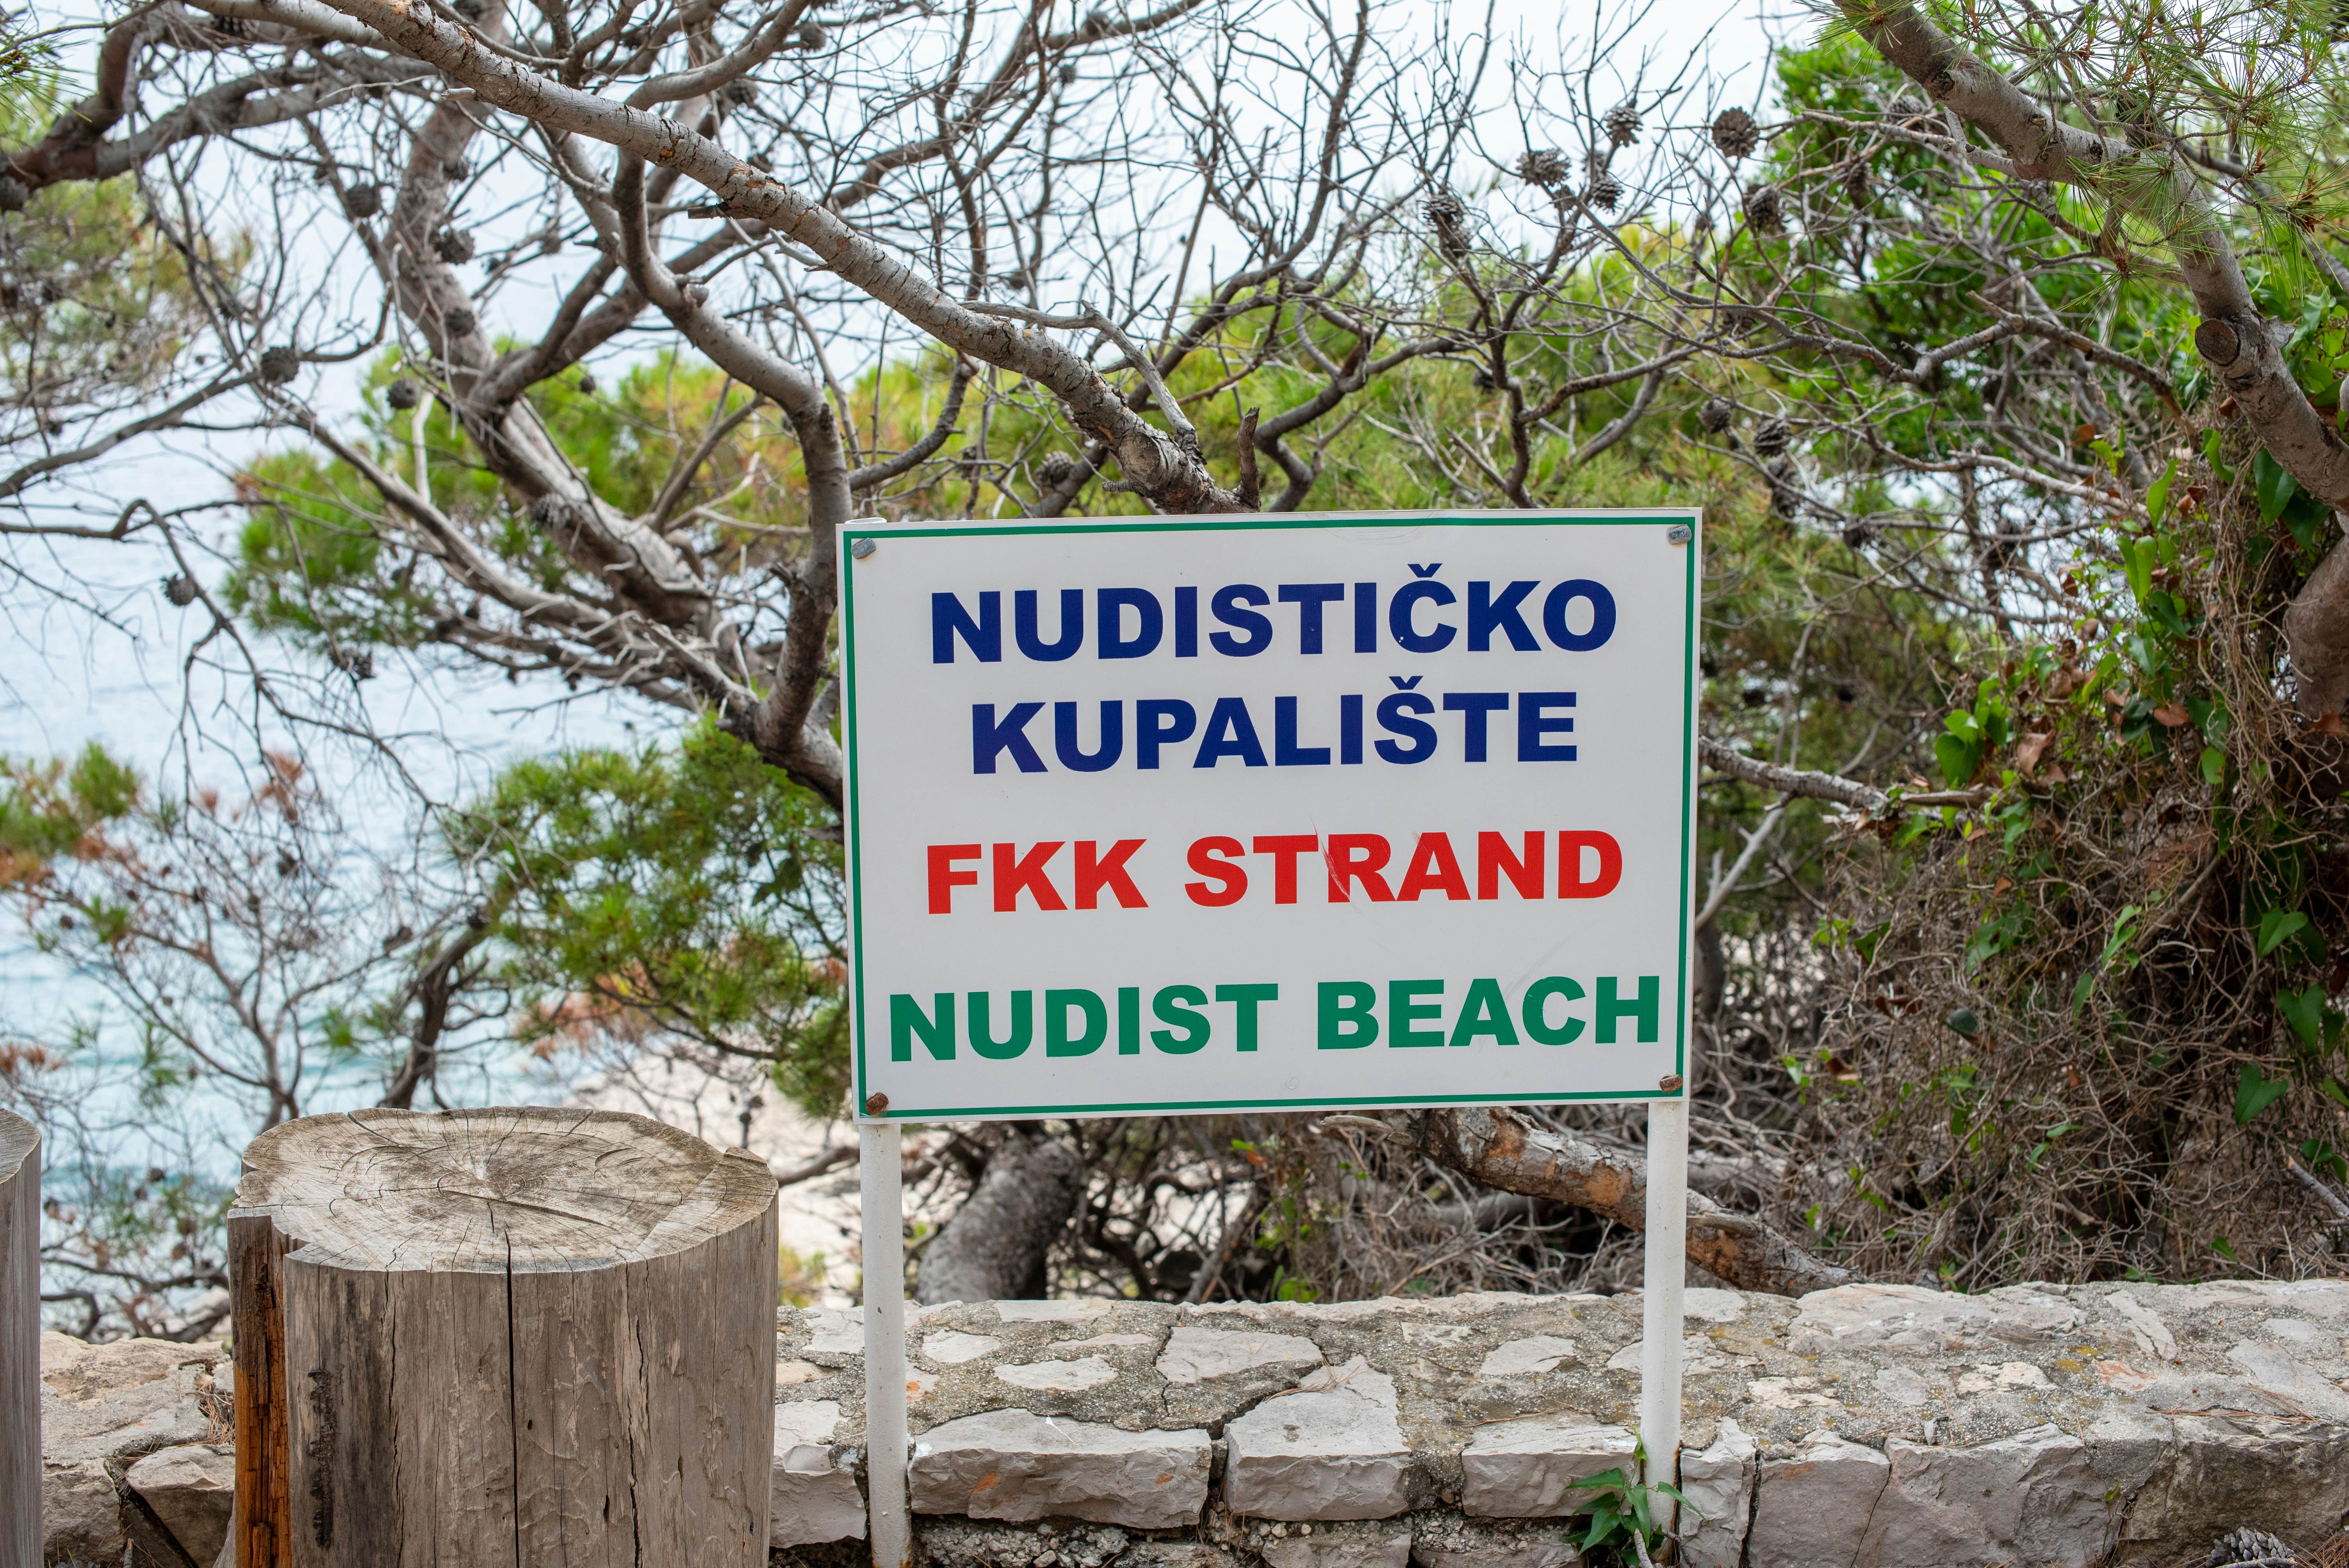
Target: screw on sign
[{"x": 1190, "y": 815}]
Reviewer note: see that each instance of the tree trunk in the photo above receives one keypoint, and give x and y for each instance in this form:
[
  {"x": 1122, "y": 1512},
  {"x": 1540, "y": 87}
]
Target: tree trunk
[
  {"x": 20, "y": 1340},
  {"x": 994, "y": 1247},
  {"x": 501, "y": 1338},
  {"x": 1500, "y": 1151}
]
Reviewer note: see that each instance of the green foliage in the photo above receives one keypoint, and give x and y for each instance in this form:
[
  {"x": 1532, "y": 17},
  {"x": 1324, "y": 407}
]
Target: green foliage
[
  {"x": 96, "y": 309},
  {"x": 696, "y": 890},
  {"x": 1622, "y": 1508},
  {"x": 2255, "y": 1091},
  {"x": 47, "y": 809},
  {"x": 311, "y": 561}
]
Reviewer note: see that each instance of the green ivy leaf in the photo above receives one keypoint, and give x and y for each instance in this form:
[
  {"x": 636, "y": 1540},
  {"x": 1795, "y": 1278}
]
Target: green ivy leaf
[
  {"x": 2276, "y": 925},
  {"x": 1957, "y": 758},
  {"x": 2255, "y": 1091},
  {"x": 2157, "y": 499},
  {"x": 1964, "y": 1022},
  {"x": 2273, "y": 485},
  {"x": 2214, "y": 767},
  {"x": 2304, "y": 1011}
]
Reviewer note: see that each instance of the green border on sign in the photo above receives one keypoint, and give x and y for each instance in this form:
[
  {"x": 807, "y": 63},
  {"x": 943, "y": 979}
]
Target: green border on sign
[{"x": 852, "y": 532}]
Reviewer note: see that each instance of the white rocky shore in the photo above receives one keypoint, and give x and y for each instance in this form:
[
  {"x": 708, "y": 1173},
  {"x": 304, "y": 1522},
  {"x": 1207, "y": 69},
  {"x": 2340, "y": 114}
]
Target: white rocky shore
[{"x": 1861, "y": 1428}]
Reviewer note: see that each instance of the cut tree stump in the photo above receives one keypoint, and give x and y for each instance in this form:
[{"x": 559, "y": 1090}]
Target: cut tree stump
[
  {"x": 507, "y": 1336},
  {"x": 20, "y": 1340}
]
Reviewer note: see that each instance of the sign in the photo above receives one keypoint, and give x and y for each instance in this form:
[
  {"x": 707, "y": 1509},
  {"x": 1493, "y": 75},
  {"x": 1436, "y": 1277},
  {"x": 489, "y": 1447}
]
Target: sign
[{"x": 1204, "y": 814}]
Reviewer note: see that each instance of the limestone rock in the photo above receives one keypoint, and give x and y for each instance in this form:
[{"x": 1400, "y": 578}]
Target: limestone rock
[
  {"x": 116, "y": 1402},
  {"x": 2030, "y": 1501},
  {"x": 812, "y": 1496},
  {"x": 1199, "y": 1356},
  {"x": 2218, "y": 1472},
  {"x": 1811, "y": 1510},
  {"x": 1013, "y": 1464},
  {"x": 81, "y": 1515},
  {"x": 192, "y": 1489},
  {"x": 1527, "y": 1470},
  {"x": 1339, "y": 1545},
  {"x": 951, "y": 1348},
  {"x": 1331, "y": 1450},
  {"x": 1521, "y": 1357},
  {"x": 1718, "y": 1480},
  {"x": 126, "y": 1398},
  {"x": 1905, "y": 1317},
  {"x": 1060, "y": 1377}
]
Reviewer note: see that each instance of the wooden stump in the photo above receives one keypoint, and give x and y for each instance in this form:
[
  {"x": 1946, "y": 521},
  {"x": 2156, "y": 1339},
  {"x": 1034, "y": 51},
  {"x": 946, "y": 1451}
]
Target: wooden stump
[
  {"x": 512, "y": 1336},
  {"x": 20, "y": 1340}
]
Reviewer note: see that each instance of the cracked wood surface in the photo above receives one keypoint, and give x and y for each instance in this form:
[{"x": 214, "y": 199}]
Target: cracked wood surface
[
  {"x": 20, "y": 1340},
  {"x": 503, "y": 1337}
]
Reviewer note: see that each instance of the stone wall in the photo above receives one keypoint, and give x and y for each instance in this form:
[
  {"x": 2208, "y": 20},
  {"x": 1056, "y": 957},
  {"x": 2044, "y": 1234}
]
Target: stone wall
[{"x": 1873, "y": 1424}]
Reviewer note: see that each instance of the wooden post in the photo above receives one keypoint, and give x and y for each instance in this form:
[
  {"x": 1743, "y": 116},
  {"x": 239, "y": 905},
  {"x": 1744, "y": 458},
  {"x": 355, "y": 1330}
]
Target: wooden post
[
  {"x": 507, "y": 1336},
  {"x": 20, "y": 1340}
]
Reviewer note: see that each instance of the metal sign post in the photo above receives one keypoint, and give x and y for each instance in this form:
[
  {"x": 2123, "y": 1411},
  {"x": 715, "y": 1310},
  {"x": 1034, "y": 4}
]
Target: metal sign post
[{"x": 1169, "y": 816}]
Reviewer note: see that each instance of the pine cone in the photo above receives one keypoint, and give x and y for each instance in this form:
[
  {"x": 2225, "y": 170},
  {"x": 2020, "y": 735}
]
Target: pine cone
[
  {"x": 1541, "y": 165},
  {"x": 1859, "y": 185},
  {"x": 741, "y": 94},
  {"x": 1859, "y": 536},
  {"x": 14, "y": 194},
  {"x": 1604, "y": 192},
  {"x": 2247, "y": 1545},
  {"x": 1621, "y": 123},
  {"x": 461, "y": 322},
  {"x": 586, "y": 384},
  {"x": 551, "y": 511},
  {"x": 180, "y": 591},
  {"x": 1735, "y": 133},
  {"x": 1449, "y": 219},
  {"x": 812, "y": 35},
  {"x": 1786, "y": 501},
  {"x": 1763, "y": 211},
  {"x": 1069, "y": 74},
  {"x": 402, "y": 395},
  {"x": 229, "y": 26},
  {"x": 1097, "y": 24},
  {"x": 363, "y": 200},
  {"x": 1772, "y": 437},
  {"x": 454, "y": 246},
  {"x": 1056, "y": 469},
  {"x": 356, "y": 663},
  {"x": 280, "y": 365},
  {"x": 1714, "y": 417}
]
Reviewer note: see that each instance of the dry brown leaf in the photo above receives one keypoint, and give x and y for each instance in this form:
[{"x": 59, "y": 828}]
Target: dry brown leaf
[
  {"x": 2171, "y": 716},
  {"x": 2030, "y": 749}
]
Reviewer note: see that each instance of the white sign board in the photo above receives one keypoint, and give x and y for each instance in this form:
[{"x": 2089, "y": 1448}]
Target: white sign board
[{"x": 1201, "y": 814}]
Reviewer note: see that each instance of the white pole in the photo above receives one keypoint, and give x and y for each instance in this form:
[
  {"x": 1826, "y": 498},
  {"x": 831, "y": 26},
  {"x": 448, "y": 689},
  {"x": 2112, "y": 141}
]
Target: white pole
[
  {"x": 881, "y": 1173},
  {"x": 1666, "y": 1265}
]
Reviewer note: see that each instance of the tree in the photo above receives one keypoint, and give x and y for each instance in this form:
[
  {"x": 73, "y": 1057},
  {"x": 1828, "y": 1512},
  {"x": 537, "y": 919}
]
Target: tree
[
  {"x": 2003, "y": 360},
  {"x": 255, "y": 964}
]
